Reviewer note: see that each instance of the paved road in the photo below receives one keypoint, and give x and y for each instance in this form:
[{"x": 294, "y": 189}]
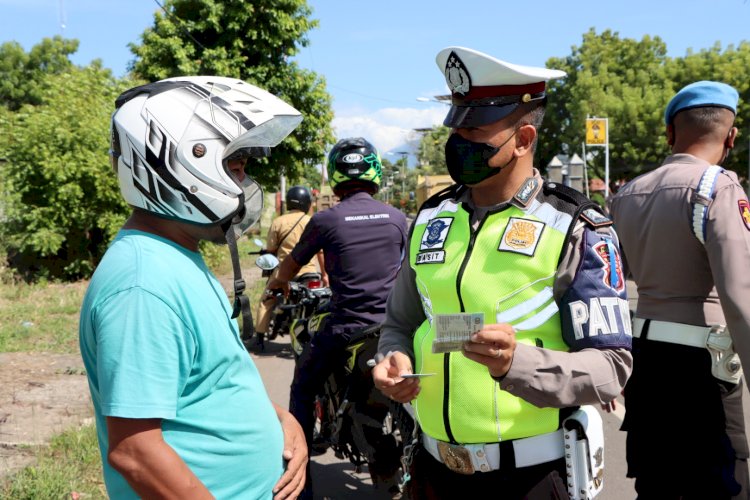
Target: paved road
[{"x": 337, "y": 479}]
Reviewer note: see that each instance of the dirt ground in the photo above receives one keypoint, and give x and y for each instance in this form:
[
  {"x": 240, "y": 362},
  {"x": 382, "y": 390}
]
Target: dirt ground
[{"x": 41, "y": 395}]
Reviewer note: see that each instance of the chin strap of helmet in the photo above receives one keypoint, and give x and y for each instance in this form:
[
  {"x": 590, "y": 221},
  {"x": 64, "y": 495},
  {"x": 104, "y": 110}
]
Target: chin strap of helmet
[{"x": 241, "y": 301}]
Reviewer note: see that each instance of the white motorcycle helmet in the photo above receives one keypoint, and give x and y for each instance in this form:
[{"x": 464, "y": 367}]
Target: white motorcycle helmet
[{"x": 171, "y": 141}]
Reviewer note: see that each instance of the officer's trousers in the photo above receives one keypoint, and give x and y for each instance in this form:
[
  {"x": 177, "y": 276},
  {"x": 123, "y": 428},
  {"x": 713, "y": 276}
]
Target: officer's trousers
[
  {"x": 431, "y": 480},
  {"x": 686, "y": 436}
]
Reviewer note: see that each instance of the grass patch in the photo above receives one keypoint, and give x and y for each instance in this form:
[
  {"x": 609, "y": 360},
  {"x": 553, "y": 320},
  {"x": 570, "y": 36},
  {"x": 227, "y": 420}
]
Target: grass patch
[
  {"x": 40, "y": 317},
  {"x": 71, "y": 463},
  {"x": 43, "y": 317}
]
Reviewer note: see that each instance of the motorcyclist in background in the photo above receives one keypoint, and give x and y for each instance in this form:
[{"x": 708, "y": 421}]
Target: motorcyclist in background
[
  {"x": 363, "y": 241},
  {"x": 283, "y": 235}
]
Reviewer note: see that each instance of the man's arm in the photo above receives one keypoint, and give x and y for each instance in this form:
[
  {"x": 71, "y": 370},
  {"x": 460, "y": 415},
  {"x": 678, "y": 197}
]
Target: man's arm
[
  {"x": 290, "y": 484},
  {"x": 600, "y": 364},
  {"x": 287, "y": 270},
  {"x": 403, "y": 315},
  {"x": 137, "y": 451},
  {"x": 322, "y": 267},
  {"x": 728, "y": 249}
]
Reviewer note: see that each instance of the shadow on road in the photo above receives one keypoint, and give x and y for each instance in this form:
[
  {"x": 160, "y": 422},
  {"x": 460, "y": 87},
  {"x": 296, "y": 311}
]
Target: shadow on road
[
  {"x": 281, "y": 349},
  {"x": 336, "y": 480}
]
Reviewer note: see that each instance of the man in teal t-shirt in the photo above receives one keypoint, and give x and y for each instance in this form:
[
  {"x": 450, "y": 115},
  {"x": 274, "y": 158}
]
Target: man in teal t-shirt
[{"x": 181, "y": 410}]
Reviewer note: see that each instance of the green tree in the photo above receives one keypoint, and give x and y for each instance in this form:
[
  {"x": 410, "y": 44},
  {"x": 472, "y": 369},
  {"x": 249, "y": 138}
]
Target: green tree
[
  {"x": 732, "y": 66},
  {"x": 22, "y": 74},
  {"x": 253, "y": 41},
  {"x": 621, "y": 79},
  {"x": 431, "y": 151},
  {"x": 60, "y": 198}
]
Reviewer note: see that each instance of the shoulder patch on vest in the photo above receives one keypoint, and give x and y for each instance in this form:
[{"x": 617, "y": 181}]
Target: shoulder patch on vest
[{"x": 595, "y": 218}]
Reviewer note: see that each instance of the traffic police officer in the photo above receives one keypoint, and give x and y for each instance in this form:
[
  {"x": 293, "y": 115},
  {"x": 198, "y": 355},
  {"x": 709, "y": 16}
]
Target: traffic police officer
[
  {"x": 538, "y": 262},
  {"x": 685, "y": 231}
]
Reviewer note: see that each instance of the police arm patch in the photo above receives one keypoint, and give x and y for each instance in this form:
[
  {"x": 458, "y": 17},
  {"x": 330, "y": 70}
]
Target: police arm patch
[
  {"x": 744, "y": 207},
  {"x": 594, "y": 309}
]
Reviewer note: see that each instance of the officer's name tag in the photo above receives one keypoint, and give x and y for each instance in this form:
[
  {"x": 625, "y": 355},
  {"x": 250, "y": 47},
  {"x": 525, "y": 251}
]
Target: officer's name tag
[{"x": 452, "y": 330}]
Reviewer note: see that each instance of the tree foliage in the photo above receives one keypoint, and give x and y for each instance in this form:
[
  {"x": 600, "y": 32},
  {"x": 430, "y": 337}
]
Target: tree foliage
[
  {"x": 630, "y": 82},
  {"x": 621, "y": 79},
  {"x": 60, "y": 198},
  {"x": 431, "y": 151},
  {"x": 24, "y": 73},
  {"x": 252, "y": 41}
]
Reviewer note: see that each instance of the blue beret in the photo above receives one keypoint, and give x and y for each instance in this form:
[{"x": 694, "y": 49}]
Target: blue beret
[{"x": 702, "y": 94}]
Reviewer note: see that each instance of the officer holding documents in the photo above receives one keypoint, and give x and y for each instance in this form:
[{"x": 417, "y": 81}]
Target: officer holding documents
[
  {"x": 510, "y": 305},
  {"x": 685, "y": 231}
]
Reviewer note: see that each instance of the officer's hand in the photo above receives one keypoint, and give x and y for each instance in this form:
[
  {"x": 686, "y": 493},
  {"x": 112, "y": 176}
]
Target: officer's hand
[
  {"x": 277, "y": 284},
  {"x": 387, "y": 377},
  {"x": 493, "y": 346}
]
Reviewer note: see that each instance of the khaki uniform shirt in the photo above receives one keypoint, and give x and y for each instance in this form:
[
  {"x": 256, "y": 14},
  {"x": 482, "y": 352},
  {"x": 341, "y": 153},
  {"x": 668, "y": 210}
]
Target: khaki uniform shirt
[
  {"x": 292, "y": 223},
  {"x": 680, "y": 279},
  {"x": 544, "y": 377}
]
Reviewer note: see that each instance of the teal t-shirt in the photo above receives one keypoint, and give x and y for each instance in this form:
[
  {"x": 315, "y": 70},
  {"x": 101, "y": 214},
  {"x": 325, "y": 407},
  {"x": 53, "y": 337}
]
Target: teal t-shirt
[{"x": 158, "y": 341}]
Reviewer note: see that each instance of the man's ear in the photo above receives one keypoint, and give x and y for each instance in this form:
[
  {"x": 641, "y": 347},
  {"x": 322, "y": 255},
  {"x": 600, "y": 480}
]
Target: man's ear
[
  {"x": 729, "y": 142},
  {"x": 670, "y": 134},
  {"x": 525, "y": 137}
]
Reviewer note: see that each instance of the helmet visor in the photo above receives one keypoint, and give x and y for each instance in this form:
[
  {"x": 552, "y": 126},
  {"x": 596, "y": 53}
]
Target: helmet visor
[{"x": 265, "y": 135}]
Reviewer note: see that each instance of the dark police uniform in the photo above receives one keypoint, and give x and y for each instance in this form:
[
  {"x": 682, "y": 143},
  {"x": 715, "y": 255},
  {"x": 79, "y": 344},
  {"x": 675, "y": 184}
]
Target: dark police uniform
[
  {"x": 546, "y": 262},
  {"x": 685, "y": 427}
]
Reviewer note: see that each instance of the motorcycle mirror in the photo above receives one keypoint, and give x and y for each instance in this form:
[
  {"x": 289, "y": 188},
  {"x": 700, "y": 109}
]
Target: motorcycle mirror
[
  {"x": 258, "y": 242},
  {"x": 267, "y": 262}
]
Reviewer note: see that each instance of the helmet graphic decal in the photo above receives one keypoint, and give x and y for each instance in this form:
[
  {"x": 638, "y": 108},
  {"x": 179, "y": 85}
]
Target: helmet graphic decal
[{"x": 172, "y": 141}]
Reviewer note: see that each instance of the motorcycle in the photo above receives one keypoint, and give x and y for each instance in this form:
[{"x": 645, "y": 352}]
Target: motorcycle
[
  {"x": 287, "y": 309},
  {"x": 352, "y": 416}
]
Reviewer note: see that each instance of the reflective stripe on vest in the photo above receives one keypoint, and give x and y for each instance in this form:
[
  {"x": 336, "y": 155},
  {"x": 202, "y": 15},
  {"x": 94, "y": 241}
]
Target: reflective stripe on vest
[{"x": 467, "y": 272}]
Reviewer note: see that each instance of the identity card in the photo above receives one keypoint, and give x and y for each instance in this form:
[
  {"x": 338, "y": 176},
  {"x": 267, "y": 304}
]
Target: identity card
[{"x": 452, "y": 330}]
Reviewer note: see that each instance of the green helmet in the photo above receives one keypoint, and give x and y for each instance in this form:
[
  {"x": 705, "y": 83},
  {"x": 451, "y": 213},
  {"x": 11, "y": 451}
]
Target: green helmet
[{"x": 354, "y": 161}]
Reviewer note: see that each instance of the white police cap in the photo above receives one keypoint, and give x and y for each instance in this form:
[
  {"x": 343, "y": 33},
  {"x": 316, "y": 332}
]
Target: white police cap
[{"x": 485, "y": 89}]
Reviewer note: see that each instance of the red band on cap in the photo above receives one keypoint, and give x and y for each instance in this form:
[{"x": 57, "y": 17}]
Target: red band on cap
[{"x": 503, "y": 90}]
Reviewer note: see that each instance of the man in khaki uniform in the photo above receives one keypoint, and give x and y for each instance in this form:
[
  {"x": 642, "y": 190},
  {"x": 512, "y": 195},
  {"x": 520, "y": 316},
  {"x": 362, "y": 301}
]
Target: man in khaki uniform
[
  {"x": 283, "y": 235},
  {"x": 685, "y": 234}
]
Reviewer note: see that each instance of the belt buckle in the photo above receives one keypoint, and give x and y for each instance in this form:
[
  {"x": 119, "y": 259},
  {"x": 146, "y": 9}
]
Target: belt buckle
[{"x": 456, "y": 458}]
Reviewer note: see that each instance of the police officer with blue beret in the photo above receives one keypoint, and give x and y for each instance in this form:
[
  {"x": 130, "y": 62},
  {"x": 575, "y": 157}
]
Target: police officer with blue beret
[
  {"x": 685, "y": 230},
  {"x": 510, "y": 307}
]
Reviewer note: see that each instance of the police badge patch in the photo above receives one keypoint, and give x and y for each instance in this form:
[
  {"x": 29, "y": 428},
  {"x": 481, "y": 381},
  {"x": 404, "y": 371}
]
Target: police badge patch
[
  {"x": 435, "y": 233},
  {"x": 521, "y": 236},
  {"x": 456, "y": 76},
  {"x": 744, "y": 207}
]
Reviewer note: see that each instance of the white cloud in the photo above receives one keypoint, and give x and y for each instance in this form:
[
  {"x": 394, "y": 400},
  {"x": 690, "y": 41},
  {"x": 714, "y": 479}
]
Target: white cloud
[{"x": 387, "y": 128}]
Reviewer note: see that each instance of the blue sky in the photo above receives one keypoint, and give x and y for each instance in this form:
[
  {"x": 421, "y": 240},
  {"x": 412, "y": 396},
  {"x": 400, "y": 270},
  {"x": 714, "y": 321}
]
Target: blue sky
[{"x": 379, "y": 56}]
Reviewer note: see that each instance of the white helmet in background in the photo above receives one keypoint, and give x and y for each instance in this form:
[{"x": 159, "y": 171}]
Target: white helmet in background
[{"x": 171, "y": 141}]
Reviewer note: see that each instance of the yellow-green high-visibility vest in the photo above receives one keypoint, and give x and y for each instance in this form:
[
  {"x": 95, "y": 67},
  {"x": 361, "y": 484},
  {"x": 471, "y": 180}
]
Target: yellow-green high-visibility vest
[{"x": 505, "y": 270}]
